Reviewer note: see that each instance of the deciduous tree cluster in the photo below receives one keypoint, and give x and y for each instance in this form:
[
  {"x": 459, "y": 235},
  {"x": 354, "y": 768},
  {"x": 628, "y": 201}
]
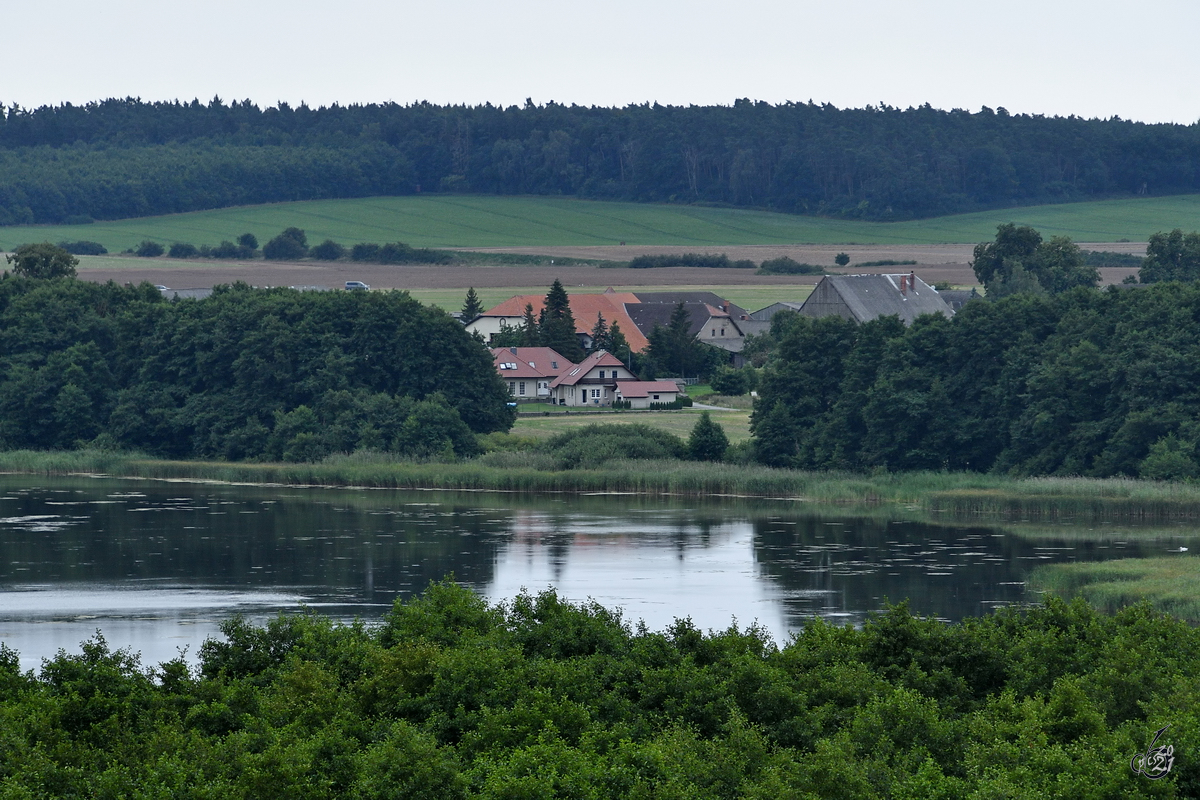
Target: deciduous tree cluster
[
  {"x": 1087, "y": 382},
  {"x": 453, "y": 698},
  {"x": 245, "y": 373}
]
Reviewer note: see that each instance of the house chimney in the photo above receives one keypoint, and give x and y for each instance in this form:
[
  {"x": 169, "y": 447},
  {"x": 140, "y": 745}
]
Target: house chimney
[
  {"x": 912, "y": 280},
  {"x": 903, "y": 284}
]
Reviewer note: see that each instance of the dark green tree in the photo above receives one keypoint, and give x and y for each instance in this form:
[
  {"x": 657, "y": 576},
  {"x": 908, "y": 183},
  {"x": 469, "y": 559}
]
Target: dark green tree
[
  {"x": 42, "y": 261},
  {"x": 471, "y": 308},
  {"x": 601, "y": 335},
  {"x": 531, "y": 335},
  {"x": 328, "y": 250},
  {"x": 707, "y": 441},
  {"x": 248, "y": 240},
  {"x": 556, "y": 324},
  {"x": 1017, "y": 260},
  {"x": 290, "y": 245},
  {"x": 149, "y": 249},
  {"x": 1173, "y": 256},
  {"x": 775, "y": 438},
  {"x": 841, "y": 259},
  {"x": 183, "y": 250},
  {"x": 618, "y": 345}
]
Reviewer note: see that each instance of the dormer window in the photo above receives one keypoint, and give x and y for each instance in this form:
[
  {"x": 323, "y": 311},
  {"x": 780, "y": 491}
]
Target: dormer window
[{"x": 553, "y": 365}]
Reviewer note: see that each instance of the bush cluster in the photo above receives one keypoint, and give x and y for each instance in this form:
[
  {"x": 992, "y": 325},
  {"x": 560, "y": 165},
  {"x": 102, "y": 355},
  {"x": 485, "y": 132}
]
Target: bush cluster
[
  {"x": 453, "y": 698},
  {"x": 713, "y": 260}
]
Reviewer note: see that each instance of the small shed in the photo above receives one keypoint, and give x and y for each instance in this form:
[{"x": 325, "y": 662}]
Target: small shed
[{"x": 641, "y": 394}]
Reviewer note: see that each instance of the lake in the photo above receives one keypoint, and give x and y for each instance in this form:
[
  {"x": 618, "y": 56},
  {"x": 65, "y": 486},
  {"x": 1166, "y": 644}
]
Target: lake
[{"x": 156, "y": 565}]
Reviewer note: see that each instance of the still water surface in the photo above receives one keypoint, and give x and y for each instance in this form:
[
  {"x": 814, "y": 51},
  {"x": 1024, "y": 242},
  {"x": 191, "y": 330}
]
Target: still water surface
[{"x": 156, "y": 566}]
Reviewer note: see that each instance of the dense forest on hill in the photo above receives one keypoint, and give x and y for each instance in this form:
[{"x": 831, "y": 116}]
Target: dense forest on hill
[
  {"x": 246, "y": 373},
  {"x": 126, "y": 158}
]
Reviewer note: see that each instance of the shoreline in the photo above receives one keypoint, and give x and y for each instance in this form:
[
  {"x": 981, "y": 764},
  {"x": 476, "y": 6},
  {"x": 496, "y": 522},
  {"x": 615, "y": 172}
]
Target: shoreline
[{"x": 948, "y": 496}]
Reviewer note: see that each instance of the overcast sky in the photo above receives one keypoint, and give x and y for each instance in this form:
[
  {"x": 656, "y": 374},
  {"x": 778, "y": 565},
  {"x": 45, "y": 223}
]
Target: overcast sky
[{"x": 1136, "y": 60}]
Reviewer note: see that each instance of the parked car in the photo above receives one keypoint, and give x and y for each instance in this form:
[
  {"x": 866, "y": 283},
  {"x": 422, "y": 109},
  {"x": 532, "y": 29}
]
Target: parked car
[{"x": 356, "y": 285}]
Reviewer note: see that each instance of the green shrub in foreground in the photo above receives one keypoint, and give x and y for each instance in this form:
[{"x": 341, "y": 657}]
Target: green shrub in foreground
[{"x": 452, "y": 697}]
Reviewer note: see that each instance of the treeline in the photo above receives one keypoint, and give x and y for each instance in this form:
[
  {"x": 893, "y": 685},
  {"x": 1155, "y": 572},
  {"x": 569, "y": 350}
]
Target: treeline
[
  {"x": 126, "y": 158},
  {"x": 452, "y": 698},
  {"x": 1087, "y": 382},
  {"x": 259, "y": 374}
]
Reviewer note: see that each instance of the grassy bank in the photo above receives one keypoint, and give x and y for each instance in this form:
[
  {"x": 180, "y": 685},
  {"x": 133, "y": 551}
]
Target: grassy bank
[
  {"x": 1170, "y": 584},
  {"x": 490, "y": 221},
  {"x": 952, "y": 495}
]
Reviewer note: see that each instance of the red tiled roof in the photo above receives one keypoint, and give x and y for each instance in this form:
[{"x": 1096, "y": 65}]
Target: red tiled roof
[
  {"x": 645, "y": 388},
  {"x": 529, "y": 362},
  {"x": 585, "y": 308},
  {"x": 597, "y": 359}
]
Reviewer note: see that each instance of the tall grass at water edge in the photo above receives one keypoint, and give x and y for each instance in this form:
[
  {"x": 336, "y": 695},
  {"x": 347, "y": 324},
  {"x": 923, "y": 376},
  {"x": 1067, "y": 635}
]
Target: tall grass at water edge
[
  {"x": 1170, "y": 584},
  {"x": 956, "y": 495}
]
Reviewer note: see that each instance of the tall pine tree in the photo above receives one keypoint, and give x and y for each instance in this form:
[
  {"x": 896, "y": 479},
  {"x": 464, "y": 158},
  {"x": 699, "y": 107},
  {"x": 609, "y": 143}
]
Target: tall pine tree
[
  {"x": 601, "y": 338},
  {"x": 557, "y": 324},
  {"x": 472, "y": 308}
]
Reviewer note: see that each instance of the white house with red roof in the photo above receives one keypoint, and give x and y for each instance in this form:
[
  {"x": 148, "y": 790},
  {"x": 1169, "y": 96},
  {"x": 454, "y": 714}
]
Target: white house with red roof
[
  {"x": 640, "y": 394},
  {"x": 529, "y": 371},
  {"x": 593, "y": 382}
]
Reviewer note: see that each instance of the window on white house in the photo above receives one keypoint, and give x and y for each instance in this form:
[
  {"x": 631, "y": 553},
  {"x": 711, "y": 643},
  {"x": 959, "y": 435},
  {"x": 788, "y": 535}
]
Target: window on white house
[
  {"x": 595, "y": 392},
  {"x": 655, "y": 397},
  {"x": 601, "y": 373},
  {"x": 522, "y": 389},
  {"x": 512, "y": 387},
  {"x": 714, "y": 332},
  {"x": 722, "y": 331}
]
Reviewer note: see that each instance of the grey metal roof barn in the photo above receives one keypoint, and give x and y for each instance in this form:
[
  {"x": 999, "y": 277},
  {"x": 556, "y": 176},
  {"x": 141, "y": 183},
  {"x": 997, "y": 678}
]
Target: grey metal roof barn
[{"x": 866, "y": 297}]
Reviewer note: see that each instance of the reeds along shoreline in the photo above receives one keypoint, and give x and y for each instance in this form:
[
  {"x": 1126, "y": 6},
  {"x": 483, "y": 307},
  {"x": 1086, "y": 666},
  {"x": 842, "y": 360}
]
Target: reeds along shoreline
[
  {"x": 958, "y": 495},
  {"x": 1169, "y": 584}
]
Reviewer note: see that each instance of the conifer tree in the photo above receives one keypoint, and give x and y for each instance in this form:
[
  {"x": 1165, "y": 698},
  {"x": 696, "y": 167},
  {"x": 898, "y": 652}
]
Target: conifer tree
[
  {"x": 618, "y": 345},
  {"x": 557, "y": 324},
  {"x": 531, "y": 334},
  {"x": 472, "y": 308},
  {"x": 601, "y": 338}
]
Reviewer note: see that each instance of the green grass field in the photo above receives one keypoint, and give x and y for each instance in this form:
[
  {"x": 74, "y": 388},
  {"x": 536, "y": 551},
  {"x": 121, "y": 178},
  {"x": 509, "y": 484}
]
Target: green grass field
[
  {"x": 680, "y": 423},
  {"x": 488, "y": 221}
]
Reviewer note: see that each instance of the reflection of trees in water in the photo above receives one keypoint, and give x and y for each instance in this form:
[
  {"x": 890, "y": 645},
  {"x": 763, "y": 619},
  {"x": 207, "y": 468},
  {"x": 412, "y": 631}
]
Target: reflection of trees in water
[
  {"x": 555, "y": 533},
  {"x": 348, "y": 543}
]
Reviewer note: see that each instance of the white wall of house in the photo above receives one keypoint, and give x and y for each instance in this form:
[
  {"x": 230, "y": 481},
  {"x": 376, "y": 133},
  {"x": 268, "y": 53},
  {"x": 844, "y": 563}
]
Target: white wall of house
[
  {"x": 591, "y": 394},
  {"x": 488, "y": 326}
]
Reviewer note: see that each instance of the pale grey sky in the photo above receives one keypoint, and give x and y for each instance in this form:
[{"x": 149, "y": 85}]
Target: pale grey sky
[{"x": 1137, "y": 60}]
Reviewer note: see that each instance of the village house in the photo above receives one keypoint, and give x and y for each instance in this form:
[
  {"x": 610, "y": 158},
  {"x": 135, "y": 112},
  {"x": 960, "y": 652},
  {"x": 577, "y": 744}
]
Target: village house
[
  {"x": 640, "y": 394},
  {"x": 529, "y": 371},
  {"x": 585, "y": 308},
  {"x": 866, "y": 297},
  {"x": 593, "y": 382}
]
